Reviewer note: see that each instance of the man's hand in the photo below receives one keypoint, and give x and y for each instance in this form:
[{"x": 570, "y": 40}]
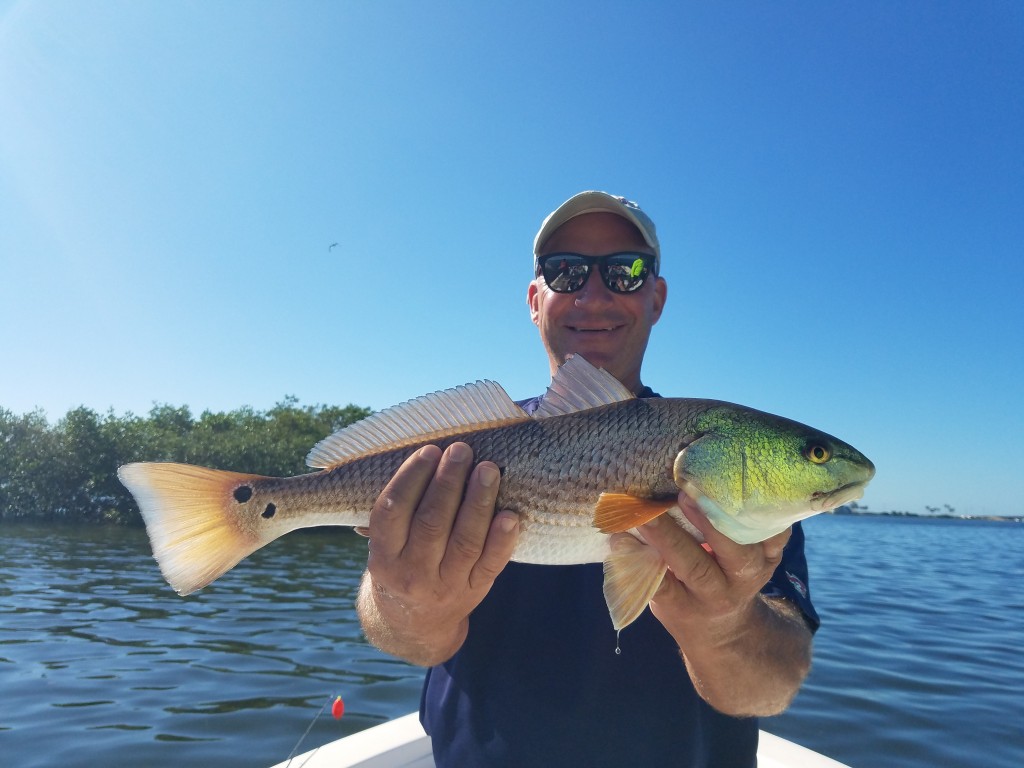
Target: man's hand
[
  {"x": 713, "y": 590},
  {"x": 436, "y": 547},
  {"x": 746, "y": 654}
]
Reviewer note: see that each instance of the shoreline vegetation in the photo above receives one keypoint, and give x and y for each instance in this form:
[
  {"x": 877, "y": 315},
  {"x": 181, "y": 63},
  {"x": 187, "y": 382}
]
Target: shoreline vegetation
[
  {"x": 933, "y": 513},
  {"x": 67, "y": 471}
]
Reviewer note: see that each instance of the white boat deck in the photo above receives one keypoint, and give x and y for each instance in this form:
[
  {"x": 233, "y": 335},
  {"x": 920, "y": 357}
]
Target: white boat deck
[{"x": 401, "y": 743}]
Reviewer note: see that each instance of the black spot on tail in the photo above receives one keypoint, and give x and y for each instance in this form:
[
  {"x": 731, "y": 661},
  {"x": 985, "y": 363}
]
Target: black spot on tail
[
  {"x": 243, "y": 493},
  {"x": 270, "y": 511}
]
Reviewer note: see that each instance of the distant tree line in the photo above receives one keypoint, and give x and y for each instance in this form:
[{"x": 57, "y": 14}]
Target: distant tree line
[
  {"x": 67, "y": 471},
  {"x": 861, "y": 509}
]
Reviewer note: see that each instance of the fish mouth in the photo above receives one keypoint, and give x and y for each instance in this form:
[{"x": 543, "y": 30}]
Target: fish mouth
[{"x": 823, "y": 501}]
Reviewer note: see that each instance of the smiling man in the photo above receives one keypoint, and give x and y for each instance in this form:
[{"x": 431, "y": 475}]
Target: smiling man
[
  {"x": 525, "y": 667},
  {"x": 608, "y": 326}
]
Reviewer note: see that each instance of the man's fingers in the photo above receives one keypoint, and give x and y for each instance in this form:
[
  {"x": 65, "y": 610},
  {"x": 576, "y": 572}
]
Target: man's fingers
[
  {"x": 773, "y": 547},
  {"x": 501, "y": 542},
  {"x": 685, "y": 557},
  {"x": 434, "y": 517},
  {"x": 472, "y": 523},
  {"x": 723, "y": 547},
  {"x": 394, "y": 508},
  {"x": 738, "y": 561}
]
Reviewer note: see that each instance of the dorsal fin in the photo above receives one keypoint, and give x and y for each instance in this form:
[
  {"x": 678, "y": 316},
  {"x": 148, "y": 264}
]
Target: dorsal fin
[
  {"x": 578, "y": 386},
  {"x": 466, "y": 408}
]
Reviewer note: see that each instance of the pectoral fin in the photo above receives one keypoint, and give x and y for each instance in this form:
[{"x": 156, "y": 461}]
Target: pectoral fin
[
  {"x": 632, "y": 574},
  {"x": 619, "y": 512}
]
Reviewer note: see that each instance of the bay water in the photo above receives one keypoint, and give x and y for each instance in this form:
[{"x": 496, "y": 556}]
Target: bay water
[{"x": 918, "y": 662}]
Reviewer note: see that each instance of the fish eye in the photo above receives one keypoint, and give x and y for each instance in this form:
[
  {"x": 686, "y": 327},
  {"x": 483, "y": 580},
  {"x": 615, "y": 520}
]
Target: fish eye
[{"x": 817, "y": 453}]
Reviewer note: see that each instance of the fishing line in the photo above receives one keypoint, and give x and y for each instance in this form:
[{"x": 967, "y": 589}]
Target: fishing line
[{"x": 337, "y": 710}]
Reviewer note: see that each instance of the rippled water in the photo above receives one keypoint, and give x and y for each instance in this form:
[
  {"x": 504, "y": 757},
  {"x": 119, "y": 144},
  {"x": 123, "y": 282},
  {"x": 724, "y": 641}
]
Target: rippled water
[
  {"x": 918, "y": 661},
  {"x": 98, "y": 657},
  {"x": 917, "y": 664}
]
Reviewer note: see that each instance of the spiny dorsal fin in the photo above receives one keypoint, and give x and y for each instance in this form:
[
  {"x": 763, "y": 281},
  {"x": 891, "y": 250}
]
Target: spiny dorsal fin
[
  {"x": 467, "y": 408},
  {"x": 579, "y": 386}
]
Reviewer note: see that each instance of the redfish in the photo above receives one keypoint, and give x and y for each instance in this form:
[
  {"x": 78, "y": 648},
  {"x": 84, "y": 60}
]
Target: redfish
[{"x": 593, "y": 460}]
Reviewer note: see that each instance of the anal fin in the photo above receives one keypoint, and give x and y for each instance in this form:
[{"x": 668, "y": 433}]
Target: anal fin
[{"x": 632, "y": 574}]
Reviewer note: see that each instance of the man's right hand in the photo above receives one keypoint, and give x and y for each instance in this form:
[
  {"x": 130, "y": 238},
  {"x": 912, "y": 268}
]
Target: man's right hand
[{"x": 436, "y": 547}]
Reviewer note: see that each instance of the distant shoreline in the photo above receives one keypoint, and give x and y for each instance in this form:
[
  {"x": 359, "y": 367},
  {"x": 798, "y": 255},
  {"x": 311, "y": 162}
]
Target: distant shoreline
[{"x": 845, "y": 510}]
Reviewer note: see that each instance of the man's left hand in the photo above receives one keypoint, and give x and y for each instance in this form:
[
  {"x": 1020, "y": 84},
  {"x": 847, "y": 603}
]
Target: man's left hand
[
  {"x": 713, "y": 589},
  {"x": 746, "y": 654}
]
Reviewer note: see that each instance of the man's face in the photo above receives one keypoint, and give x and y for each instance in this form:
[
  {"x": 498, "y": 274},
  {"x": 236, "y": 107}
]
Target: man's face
[{"x": 609, "y": 329}]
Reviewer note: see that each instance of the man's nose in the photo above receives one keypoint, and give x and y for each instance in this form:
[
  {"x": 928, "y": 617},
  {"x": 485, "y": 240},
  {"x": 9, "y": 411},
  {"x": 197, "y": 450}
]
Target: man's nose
[{"x": 594, "y": 291}]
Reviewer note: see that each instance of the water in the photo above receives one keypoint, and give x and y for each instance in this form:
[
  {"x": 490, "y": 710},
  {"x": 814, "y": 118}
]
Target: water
[
  {"x": 918, "y": 659},
  {"x": 917, "y": 664},
  {"x": 100, "y": 662}
]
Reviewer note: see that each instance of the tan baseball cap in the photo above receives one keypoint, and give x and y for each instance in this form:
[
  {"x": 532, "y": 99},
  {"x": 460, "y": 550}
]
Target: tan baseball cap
[{"x": 593, "y": 201}]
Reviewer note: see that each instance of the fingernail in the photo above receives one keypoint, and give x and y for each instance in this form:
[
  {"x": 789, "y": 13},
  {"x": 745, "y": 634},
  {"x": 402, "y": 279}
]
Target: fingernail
[
  {"x": 489, "y": 476},
  {"x": 508, "y": 521},
  {"x": 654, "y": 522},
  {"x": 460, "y": 453}
]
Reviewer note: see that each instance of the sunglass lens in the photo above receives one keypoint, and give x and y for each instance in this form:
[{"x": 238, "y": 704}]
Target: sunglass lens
[
  {"x": 625, "y": 273},
  {"x": 565, "y": 273}
]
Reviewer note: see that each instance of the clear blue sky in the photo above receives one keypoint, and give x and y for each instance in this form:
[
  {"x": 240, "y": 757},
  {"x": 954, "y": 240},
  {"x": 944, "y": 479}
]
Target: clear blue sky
[{"x": 839, "y": 190}]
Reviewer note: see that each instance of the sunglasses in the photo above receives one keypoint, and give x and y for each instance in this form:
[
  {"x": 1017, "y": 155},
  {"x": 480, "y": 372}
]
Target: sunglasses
[{"x": 624, "y": 272}]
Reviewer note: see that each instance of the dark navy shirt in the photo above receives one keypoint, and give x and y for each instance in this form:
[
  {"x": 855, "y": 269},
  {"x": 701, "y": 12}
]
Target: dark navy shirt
[{"x": 538, "y": 681}]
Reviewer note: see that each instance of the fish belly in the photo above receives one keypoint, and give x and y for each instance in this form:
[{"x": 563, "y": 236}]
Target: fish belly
[{"x": 556, "y": 545}]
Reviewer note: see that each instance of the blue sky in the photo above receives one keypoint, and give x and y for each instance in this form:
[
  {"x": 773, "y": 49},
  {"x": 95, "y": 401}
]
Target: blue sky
[{"x": 838, "y": 187}]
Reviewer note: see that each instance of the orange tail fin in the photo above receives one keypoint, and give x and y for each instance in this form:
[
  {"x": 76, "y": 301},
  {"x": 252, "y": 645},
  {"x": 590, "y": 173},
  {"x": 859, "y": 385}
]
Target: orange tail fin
[{"x": 186, "y": 509}]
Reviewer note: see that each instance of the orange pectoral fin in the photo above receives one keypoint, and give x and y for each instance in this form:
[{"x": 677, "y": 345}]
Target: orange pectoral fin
[{"x": 618, "y": 512}]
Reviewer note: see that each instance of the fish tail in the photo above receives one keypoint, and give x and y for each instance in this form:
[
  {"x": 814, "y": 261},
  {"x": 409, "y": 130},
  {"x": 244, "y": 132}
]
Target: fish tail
[{"x": 187, "y": 511}]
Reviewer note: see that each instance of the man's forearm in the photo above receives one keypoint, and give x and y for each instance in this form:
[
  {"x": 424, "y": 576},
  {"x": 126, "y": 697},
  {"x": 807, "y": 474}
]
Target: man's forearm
[
  {"x": 398, "y": 630},
  {"x": 751, "y": 667}
]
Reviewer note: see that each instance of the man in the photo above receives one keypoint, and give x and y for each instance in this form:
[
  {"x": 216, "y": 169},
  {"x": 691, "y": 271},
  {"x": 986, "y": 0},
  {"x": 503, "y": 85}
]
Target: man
[{"x": 524, "y": 663}]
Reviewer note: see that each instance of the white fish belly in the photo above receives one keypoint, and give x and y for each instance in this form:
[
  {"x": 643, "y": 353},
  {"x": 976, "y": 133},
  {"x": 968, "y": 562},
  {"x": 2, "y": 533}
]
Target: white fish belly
[{"x": 543, "y": 544}]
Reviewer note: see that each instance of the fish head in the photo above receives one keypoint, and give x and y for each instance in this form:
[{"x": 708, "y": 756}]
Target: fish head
[{"x": 754, "y": 474}]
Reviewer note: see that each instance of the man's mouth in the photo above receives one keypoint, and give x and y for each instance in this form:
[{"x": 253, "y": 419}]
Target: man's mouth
[{"x": 593, "y": 329}]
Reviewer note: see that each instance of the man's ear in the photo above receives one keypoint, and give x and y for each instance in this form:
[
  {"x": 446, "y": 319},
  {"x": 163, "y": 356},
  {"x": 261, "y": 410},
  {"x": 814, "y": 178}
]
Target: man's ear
[
  {"x": 660, "y": 296},
  {"x": 533, "y": 301}
]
